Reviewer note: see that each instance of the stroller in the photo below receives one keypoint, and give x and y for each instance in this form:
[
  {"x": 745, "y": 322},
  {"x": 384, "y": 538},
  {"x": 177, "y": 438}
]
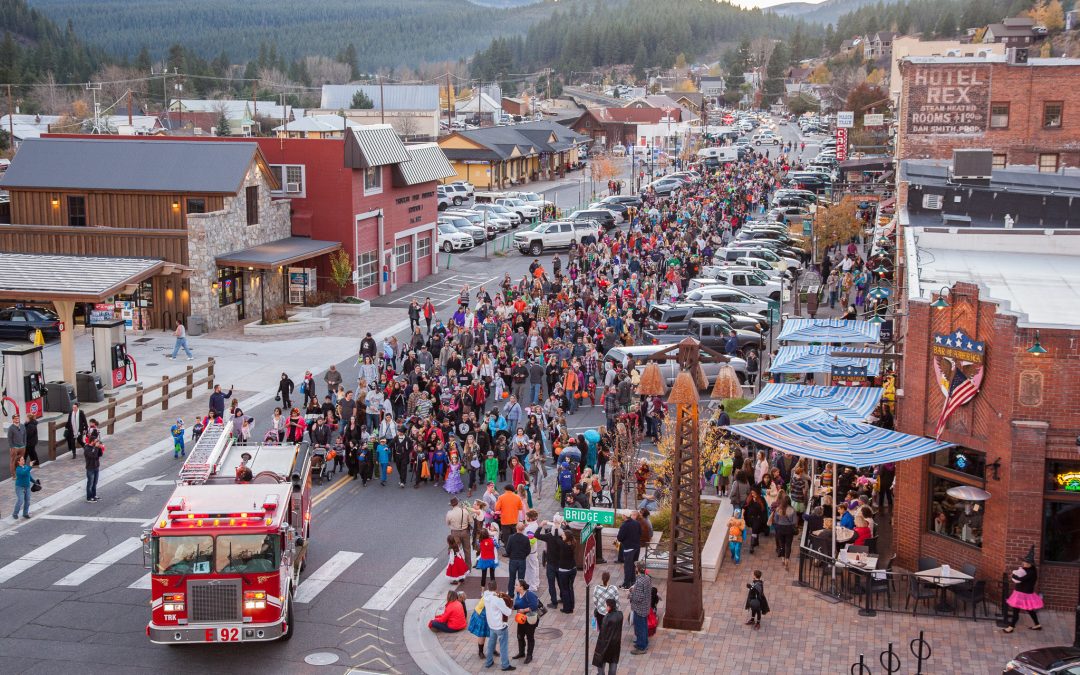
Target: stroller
[{"x": 320, "y": 469}]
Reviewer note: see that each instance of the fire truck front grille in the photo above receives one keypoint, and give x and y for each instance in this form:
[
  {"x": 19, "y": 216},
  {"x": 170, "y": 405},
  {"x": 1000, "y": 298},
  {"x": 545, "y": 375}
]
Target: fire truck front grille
[{"x": 214, "y": 601}]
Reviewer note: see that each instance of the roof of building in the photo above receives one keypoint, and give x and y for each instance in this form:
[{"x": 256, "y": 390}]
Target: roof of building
[
  {"x": 1004, "y": 30},
  {"x": 317, "y": 124},
  {"x": 989, "y": 58},
  {"x": 397, "y": 96},
  {"x": 426, "y": 163},
  {"x": 176, "y": 121},
  {"x": 527, "y": 138},
  {"x": 1017, "y": 178},
  {"x": 274, "y": 254},
  {"x": 1032, "y": 274},
  {"x": 234, "y": 109},
  {"x": 883, "y": 36},
  {"x": 479, "y": 103},
  {"x": 25, "y": 276},
  {"x": 135, "y": 164},
  {"x": 630, "y": 115},
  {"x": 374, "y": 145}
]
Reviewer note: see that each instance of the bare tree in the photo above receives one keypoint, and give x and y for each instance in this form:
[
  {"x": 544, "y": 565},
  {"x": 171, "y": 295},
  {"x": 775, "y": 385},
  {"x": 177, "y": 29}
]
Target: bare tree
[
  {"x": 407, "y": 126},
  {"x": 52, "y": 98},
  {"x": 116, "y": 81},
  {"x": 324, "y": 70}
]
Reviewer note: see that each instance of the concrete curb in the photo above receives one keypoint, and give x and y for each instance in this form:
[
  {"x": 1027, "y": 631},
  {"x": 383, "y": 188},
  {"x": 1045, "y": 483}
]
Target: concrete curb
[
  {"x": 423, "y": 645},
  {"x": 120, "y": 470}
]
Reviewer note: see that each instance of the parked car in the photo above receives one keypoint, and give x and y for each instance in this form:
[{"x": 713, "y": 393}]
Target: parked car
[
  {"x": 450, "y": 239},
  {"x": 458, "y": 194},
  {"x": 526, "y": 211},
  {"x": 749, "y": 264},
  {"x": 477, "y": 220},
  {"x": 753, "y": 283},
  {"x": 21, "y": 323},
  {"x": 676, "y": 316},
  {"x": 470, "y": 189},
  {"x": 603, "y": 216},
  {"x": 443, "y": 197},
  {"x": 738, "y": 254},
  {"x": 555, "y": 234},
  {"x": 712, "y": 333},
  {"x": 765, "y": 138},
  {"x": 499, "y": 211},
  {"x": 617, "y": 208},
  {"x": 728, "y": 296},
  {"x": 462, "y": 224},
  {"x": 628, "y": 200},
  {"x": 1045, "y": 661},
  {"x": 665, "y": 186},
  {"x": 669, "y": 367}
]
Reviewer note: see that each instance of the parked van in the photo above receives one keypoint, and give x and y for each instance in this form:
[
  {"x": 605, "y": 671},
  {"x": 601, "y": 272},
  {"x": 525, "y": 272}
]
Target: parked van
[{"x": 724, "y": 154}]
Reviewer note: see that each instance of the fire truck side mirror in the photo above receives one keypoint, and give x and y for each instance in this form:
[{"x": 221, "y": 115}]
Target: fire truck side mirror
[{"x": 146, "y": 549}]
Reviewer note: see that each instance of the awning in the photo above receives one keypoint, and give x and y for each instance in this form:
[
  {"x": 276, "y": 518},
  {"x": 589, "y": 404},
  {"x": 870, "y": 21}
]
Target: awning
[
  {"x": 854, "y": 403},
  {"x": 829, "y": 331},
  {"x": 26, "y": 276},
  {"x": 825, "y": 437},
  {"x": 817, "y": 359},
  {"x": 278, "y": 253}
]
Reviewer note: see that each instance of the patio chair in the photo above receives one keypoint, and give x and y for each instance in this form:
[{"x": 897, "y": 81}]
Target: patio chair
[
  {"x": 917, "y": 590},
  {"x": 927, "y": 564},
  {"x": 875, "y": 586},
  {"x": 871, "y": 543},
  {"x": 972, "y": 595}
]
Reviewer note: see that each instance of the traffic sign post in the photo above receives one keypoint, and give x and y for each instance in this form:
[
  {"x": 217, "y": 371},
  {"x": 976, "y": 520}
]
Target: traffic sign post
[
  {"x": 587, "y": 532},
  {"x": 589, "y": 563},
  {"x": 594, "y": 516}
]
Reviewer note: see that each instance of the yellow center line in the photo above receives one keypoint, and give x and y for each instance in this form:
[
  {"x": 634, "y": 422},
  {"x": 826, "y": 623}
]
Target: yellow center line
[{"x": 317, "y": 499}]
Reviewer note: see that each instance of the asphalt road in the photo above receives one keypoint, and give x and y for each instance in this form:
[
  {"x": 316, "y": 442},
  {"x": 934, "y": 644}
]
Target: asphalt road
[{"x": 74, "y": 593}]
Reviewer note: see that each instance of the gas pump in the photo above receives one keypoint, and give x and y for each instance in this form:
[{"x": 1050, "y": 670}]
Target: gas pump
[
  {"x": 111, "y": 361},
  {"x": 24, "y": 380}
]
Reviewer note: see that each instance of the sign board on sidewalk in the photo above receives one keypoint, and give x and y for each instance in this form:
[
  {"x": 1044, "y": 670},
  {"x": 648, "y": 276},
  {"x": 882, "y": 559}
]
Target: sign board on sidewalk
[
  {"x": 586, "y": 532},
  {"x": 845, "y": 119},
  {"x": 595, "y": 516},
  {"x": 589, "y": 559},
  {"x": 873, "y": 120}
]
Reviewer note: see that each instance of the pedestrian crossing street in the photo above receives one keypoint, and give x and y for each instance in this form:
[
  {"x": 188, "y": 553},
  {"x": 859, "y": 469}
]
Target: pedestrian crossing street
[{"x": 56, "y": 556}]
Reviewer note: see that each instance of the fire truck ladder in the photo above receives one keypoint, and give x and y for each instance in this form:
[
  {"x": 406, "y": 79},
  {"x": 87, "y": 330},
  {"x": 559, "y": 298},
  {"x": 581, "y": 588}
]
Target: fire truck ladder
[{"x": 203, "y": 458}]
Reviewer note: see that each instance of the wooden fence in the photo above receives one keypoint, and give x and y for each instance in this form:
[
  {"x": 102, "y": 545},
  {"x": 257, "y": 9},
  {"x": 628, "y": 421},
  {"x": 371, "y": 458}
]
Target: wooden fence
[{"x": 139, "y": 397}]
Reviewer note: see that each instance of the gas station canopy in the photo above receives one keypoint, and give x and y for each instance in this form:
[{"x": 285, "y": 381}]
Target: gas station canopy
[{"x": 27, "y": 276}]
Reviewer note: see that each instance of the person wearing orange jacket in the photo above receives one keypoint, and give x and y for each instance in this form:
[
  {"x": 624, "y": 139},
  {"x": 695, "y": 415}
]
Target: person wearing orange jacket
[{"x": 572, "y": 385}]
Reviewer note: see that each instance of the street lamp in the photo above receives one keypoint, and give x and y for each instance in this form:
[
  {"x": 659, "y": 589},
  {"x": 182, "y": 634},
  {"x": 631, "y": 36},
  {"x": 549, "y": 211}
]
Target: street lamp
[
  {"x": 1037, "y": 348},
  {"x": 941, "y": 302}
]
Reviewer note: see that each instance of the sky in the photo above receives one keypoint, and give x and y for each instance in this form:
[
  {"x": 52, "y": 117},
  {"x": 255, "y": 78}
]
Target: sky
[{"x": 768, "y": 3}]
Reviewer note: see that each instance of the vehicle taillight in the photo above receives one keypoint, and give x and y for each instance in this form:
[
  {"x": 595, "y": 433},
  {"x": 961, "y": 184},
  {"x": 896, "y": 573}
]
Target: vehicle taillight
[
  {"x": 661, "y": 326},
  {"x": 173, "y": 602},
  {"x": 254, "y": 600}
]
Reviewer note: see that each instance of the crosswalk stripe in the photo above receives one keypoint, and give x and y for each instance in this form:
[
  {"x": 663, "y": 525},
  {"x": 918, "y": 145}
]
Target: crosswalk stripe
[
  {"x": 393, "y": 589},
  {"x": 143, "y": 582},
  {"x": 321, "y": 578},
  {"x": 39, "y": 554},
  {"x": 98, "y": 564}
]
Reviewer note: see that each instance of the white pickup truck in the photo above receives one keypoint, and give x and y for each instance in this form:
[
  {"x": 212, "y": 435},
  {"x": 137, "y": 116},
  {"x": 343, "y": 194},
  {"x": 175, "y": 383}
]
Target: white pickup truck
[{"x": 555, "y": 234}]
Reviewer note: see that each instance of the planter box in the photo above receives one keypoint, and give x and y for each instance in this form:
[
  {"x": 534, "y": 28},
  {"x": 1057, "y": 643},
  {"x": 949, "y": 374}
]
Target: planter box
[
  {"x": 330, "y": 308},
  {"x": 302, "y": 323},
  {"x": 716, "y": 543}
]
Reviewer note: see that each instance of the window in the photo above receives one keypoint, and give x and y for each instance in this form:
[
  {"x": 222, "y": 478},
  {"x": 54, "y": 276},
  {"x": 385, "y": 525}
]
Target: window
[
  {"x": 196, "y": 205},
  {"x": 403, "y": 253},
  {"x": 1052, "y": 114},
  {"x": 423, "y": 248},
  {"x": 367, "y": 269},
  {"x": 230, "y": 282},
  {"x": 373, "y": 180},
  {"x": 290, "y": 178},
  {"x": 76, "y": 211},
  {"x": 243, "y": 553},
  {"x": 999, "y": 115},
  {"x": 951, "y": 517},
  {"x": 182, "y": 555},
  {"x": 998, "y": 161},
  {"x": 1061, "y": 507},
  {"x": 251, "y": 197},
  {"x": 1048, "y": 163}
]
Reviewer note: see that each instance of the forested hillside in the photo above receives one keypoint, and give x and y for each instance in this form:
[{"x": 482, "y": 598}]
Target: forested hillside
[
  {"x": 932, "y": 18},
  {"x": 31, "y": 45},
  {"x": 386, "y": 33},
  {"x": 644, "y": 33}
]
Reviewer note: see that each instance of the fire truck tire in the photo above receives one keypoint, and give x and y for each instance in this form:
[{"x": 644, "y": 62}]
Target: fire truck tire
[{"x": 289, "y": 622}]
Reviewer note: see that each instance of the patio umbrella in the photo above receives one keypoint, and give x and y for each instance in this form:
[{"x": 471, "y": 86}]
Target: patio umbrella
[{"x": 968, "y": 493}]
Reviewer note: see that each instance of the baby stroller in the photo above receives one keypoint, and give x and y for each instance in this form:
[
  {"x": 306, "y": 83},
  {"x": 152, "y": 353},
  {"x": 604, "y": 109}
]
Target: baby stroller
[{"x": 319, "y": 468}]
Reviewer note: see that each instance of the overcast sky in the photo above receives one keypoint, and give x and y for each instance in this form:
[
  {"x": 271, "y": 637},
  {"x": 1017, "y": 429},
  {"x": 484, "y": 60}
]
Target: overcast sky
[{"x": 768, "y": 3}]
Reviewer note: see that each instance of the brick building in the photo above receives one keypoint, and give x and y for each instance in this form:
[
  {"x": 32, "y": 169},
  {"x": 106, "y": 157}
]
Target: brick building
[
  {"x": 1026, "y": 109},
  {"x": 1003, "y": 292}
]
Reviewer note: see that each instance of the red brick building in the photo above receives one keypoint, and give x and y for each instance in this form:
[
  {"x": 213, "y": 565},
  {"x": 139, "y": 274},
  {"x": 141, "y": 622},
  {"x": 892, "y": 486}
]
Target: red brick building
[
  {"x": 609, "y": 127},
  {"x": 1005, "y": 292},
  {"x": 1028, "y": 112}
]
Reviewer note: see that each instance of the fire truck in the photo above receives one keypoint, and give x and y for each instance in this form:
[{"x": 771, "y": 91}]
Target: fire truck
[{"x": 226, "y": 552}]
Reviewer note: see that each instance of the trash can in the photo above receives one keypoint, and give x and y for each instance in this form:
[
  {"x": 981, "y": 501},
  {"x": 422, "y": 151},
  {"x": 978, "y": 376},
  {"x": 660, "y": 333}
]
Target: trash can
[
  {"x": 59, "y": 396},
  {"x": 89, "y": 387},
  {"x": 196, "y": 325}
]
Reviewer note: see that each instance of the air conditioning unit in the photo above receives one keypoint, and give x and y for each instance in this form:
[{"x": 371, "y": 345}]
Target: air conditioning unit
[
  {"x": 292, "y": 187},
  {"x": 984, "y": 53},
  {"x": 972, "y": 164},
  {"x": 1017, "y": 56},
  {"x": 932, "y": 202},
  {"x": 953, "y": 52}
]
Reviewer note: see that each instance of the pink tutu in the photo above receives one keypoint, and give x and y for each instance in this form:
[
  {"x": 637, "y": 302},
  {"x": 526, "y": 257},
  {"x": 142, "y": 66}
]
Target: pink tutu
[{"x": 1025, "y": 601}]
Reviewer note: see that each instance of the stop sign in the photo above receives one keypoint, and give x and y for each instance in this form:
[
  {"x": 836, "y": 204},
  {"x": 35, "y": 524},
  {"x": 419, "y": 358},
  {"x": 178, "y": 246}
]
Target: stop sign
[
  {"x": 589, "y": 559},
  {"x": 728, "y": 119}
]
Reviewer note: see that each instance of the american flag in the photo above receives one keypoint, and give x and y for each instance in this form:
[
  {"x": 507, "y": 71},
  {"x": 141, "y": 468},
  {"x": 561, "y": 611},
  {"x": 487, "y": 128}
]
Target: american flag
[{"x": 961, "y": 390}]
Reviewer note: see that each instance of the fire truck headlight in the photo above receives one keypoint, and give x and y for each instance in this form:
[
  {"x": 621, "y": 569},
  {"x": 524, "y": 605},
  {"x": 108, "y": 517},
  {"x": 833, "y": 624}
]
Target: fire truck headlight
[{"x": 254, "y": 600}]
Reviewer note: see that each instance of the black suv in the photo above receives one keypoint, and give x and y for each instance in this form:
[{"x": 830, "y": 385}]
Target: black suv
[
  {"x": 677, "y": 316},
  {"x": 602, "y": 216}
]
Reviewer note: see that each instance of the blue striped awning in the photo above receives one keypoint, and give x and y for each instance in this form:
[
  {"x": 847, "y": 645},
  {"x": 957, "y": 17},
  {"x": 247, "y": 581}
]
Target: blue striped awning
[
  {"x": 829, "y": 330},
  {"x": 816, "y": 359},
  {"x": 822, "y": 436},
  {"x": 854, "y": 403}
]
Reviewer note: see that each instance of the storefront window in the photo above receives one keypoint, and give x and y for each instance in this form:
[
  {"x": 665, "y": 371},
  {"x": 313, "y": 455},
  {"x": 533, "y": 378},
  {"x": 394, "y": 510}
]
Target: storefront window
[
  {"x": 961, "y": 460},
  {"x": 1062, "y": 476},
  {"x": 1061, "y": 512},
  {"x": 230, "y": 285},
  {"x": 954, "y": 518}
]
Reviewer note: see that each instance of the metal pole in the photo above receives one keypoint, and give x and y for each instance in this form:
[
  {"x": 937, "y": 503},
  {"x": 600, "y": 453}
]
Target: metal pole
[
  {"x": 262, "y": 294},
  {"x": 588, "y": 615}
]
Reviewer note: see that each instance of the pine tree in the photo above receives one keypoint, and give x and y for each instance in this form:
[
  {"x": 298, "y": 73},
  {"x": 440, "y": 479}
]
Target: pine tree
[
  {"x": 361, "y": 101},
  {"x": 349, "y": 59},
  {"x": 774, "y": 74},
  {"x": 142, "y": 61},
  {"x": 223, "y": 125}
]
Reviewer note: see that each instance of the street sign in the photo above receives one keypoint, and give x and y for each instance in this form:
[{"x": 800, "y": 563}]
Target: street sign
[
  {"x": 586, "y": 532},
  {"x": 589, "y": 559},
  {"x": 872, "y": 120},
  {"x": 841, "y": 145},
  {"x": 845, "y": 119},
  {"x": 595, "y": 516}
]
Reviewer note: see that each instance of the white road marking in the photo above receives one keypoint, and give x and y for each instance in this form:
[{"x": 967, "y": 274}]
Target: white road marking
[
  {"x": 98, "y": 564},
  {"x": 39, "y": 554},
  {"x": 143, "y": 583},
  {"x": 98, "y": 519},
  {"x": 393, "y": 589},
  {"x": 321, "y": 578}
]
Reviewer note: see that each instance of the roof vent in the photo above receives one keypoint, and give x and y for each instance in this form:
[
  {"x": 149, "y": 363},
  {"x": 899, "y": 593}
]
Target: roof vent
[
  {"x": 972, "y": 164},
  {"x": 1017, "y": 56},
  {"x": 930, "y": 201}
]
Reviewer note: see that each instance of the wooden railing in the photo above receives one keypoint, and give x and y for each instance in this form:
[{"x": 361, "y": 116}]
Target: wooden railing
[{"x": 141, "y": 404}]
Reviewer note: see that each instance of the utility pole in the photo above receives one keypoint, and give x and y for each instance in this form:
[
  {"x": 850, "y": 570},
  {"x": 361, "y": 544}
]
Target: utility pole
[
  {"x": 382, "y": 102},
  {"x": 130, "y": 123},
  {"x": 449, "y": 103},
  {"x": 10, "y": 119}
]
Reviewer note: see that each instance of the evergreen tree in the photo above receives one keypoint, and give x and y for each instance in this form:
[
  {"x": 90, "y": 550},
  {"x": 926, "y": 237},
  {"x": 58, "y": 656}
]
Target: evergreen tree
[
  {"x": 142, "y": 61},
  {"x": 946, "y": 25},
  {"x": 775, "y": 72},
  {"x": 223, "y": 125},
  {"x": 361, "y": 101},
  {"x": 349, "y": 59}
]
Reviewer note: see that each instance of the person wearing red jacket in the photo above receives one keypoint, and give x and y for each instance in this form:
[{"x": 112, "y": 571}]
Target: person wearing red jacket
[{"x": 452, "y": 619}]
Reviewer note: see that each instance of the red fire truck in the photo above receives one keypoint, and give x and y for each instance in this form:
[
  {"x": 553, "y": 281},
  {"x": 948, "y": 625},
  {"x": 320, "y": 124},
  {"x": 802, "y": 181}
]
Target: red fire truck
[{"x": 227, "y": 550}]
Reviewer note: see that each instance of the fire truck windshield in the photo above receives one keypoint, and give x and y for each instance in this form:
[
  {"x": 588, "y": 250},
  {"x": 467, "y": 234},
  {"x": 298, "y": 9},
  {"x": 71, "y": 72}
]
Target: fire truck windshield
[
  {"x": 183, "y": 555},
  {"x": 229, "y": 554}
]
